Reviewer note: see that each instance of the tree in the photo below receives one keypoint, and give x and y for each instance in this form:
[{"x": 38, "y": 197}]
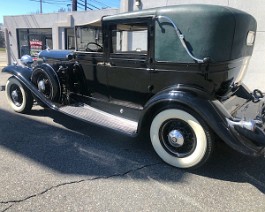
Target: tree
[
  {"x": 62, "y": 10},
  {"x": 2, "y": 39}
]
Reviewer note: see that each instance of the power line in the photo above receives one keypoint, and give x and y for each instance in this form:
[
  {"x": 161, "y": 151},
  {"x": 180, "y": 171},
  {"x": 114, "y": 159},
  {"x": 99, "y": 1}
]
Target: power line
[
  {"x": 85, "y": 4},
  {"x": 80, "y": 4},
  {"x": 52, "y": 2},
  {"x": 103, "y": 4}
]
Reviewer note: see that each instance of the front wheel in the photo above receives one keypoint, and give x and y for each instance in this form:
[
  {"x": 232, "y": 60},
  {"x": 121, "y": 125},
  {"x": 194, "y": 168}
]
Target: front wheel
[
  {"x": 18, "y": 96},
  {"x": 181, "y": 138}
]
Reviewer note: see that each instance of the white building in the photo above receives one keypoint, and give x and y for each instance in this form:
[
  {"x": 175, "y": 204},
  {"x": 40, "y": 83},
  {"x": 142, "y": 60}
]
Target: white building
[{"x": 28, "y": 34}]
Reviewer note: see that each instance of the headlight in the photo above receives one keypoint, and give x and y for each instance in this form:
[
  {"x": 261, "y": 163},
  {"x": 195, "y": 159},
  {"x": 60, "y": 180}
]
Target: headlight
[{"x": 26, "y": 60}]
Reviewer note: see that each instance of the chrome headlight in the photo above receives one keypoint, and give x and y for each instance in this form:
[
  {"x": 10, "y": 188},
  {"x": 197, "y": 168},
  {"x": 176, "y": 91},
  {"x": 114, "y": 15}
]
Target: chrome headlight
[{"x": 26, "y": 60}]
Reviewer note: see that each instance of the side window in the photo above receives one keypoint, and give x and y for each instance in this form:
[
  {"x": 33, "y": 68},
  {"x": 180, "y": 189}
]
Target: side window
[
  {"x": 130, "y": 38},
  {"x": 168, "y": 47}
]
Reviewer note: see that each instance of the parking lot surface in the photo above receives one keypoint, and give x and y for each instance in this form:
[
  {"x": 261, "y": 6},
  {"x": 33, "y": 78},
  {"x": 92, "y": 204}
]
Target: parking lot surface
[
  {"x": 3, "y": 59},
  {"x": 51, "y": 162}
]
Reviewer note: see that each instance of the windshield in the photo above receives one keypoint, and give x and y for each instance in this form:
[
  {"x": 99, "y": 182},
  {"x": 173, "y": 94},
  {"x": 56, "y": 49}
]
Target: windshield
[{"x": 88, "y": 38}]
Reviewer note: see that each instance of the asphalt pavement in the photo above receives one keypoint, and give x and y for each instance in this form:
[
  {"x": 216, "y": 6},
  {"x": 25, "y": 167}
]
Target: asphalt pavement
[{"x": 51, "y": 162}]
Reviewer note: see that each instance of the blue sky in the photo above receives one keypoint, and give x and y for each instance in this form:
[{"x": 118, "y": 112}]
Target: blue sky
[{"x": 22, "y": 7}]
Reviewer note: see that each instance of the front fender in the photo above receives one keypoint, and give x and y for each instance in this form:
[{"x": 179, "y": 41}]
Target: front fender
[
  {"x": 212, "y": 112},
  {"x": 23, "y": 74},
  {"x": 18, "y": 71}
]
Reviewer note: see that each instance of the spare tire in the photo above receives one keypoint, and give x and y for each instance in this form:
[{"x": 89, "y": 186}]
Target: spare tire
[{"x": 46, "y": 81}]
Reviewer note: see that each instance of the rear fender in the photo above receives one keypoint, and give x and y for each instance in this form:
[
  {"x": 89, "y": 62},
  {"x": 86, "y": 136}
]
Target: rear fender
[
  {"x": 23, "y": 74},
  {"x": 212, "y": 112}
]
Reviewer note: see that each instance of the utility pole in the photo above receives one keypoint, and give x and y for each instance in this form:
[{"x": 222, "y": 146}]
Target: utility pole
[
  {"x": 85, "y": 4},
  {"x": 40, "y": 6},
  {"x": 74, "y": 5}
]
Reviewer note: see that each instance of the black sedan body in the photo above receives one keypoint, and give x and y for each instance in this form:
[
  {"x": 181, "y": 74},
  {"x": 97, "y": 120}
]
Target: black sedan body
[{"x": 175, "y": 71}]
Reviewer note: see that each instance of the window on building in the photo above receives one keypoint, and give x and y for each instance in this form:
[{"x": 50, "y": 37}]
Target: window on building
[
  {"x": 70, "y": 38},
  {"x": 130, "y": 38},
  {"x": 32, "y": 41}
]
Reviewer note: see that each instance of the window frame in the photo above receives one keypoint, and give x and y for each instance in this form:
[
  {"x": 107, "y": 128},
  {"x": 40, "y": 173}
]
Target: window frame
[
  {"x": 107, "y": 33},
  {"x": 130, "y": 40},
  {"x": 98, "y": 29},
  {"x": 30, "y": 33}
]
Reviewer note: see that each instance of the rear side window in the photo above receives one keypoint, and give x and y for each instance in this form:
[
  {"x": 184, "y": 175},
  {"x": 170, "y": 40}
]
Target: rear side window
[
  {"x": 167, "y": 44},
  {"x": 129, "y": 38}
]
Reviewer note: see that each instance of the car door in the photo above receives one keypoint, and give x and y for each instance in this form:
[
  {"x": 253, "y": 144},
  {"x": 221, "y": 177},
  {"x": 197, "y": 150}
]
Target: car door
[
  {"x": 90, "y": 56},
  {"x": 94, "y": 73},
  {"x": 128, "y": 62}
]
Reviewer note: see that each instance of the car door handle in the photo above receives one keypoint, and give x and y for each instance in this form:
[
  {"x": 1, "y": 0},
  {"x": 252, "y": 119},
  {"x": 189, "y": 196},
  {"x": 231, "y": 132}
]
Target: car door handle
[
  {"x": 109, "y": 64},
  {"x": 151, "y": 70},
  {"x": 100, "y": 64}
]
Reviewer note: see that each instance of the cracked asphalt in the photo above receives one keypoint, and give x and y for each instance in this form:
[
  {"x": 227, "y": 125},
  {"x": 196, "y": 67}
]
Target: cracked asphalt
[{"x": 51, "y": 162}]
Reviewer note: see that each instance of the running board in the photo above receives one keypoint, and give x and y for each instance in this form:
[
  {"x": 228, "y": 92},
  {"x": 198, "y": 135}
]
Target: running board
[{"x": 101, "y": 118}]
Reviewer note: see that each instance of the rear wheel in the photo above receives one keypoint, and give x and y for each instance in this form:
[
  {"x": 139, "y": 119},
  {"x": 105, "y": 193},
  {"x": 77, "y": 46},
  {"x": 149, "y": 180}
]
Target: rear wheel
[
  {"x": 181, "y": 138},
  {"x": 18, "y": 96}
]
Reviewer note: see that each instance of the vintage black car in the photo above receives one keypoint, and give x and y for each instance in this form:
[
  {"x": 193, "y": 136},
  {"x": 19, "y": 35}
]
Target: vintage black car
[{"x": 174, "y": 73}]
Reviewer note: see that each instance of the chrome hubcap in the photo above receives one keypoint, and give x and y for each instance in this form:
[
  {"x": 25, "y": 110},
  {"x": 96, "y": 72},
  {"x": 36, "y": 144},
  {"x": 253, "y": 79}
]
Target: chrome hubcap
[
  {"x": 14, "y": 95},
  {"x": 41, "y": 86},
  {"x": 175, "y": 138}
]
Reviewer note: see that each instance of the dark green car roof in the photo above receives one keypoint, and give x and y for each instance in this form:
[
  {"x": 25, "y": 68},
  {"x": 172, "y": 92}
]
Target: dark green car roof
[
  {"x": 169, "y": 10},
  {"x": 213, "y": 31}
]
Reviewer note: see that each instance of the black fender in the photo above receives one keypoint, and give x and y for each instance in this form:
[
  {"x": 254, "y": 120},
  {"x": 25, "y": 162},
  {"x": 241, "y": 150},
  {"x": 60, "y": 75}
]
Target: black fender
[
  {"x": 15, "y": 70},
  {"x": 23, "y": 74},
  {"x": 211, "y": 111}
]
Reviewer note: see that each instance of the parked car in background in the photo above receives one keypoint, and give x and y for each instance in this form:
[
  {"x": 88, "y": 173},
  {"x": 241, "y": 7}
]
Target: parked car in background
[{"x": 174, "y": 71}]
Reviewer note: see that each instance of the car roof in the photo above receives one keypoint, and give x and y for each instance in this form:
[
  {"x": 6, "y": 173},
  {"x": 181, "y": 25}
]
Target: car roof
[{"x": 168, "y": 11}]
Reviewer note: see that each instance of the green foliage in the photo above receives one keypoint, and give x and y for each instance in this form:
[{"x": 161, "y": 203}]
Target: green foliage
[{"x": 2, "y": 39}]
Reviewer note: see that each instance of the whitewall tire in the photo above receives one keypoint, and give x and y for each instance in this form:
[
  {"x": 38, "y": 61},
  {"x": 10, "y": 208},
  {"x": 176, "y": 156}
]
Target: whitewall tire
[
  {"x": 18, "y": 96},
  {"x": 181, "y": 138}
]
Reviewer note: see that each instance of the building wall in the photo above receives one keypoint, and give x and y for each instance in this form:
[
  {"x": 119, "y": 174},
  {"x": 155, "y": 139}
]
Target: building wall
[
  {"x": 255, "y": 77},
  {"x": 56, "y": 21}
]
